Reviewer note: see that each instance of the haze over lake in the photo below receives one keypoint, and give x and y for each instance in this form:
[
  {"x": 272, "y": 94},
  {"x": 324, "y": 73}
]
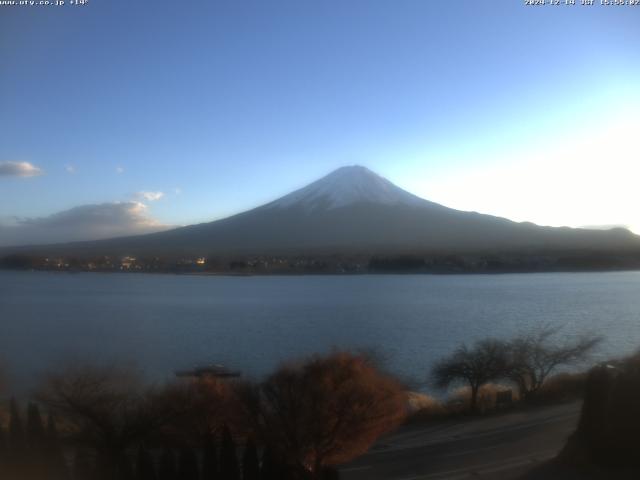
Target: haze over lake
[{"x": 166, "y": 322}]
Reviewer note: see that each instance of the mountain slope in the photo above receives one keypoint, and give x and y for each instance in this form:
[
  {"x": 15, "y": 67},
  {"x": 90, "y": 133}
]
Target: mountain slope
[{"x": 353, "y": 210}]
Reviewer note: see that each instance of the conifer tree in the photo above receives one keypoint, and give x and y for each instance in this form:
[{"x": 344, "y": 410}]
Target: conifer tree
[
  {"x": 250, "y": 462},
  {"x": 167, "y": 468},
  {"x": 124, "y": 470},
  {"x": 210, "y": 458},
  {"x": 52, "y": 430},
  {"x": 16, "y": 451},
  {"x": 188, "y": 465},
  {"x": 35, "y": 429},
  {"x": 3, "y": 453},
  {"x": 272, "y": 467},
  {"x": 35, "y": 455},
  {"x": 267, "y": 465},
  {"x": 105, "y": 467},
  {"x": 16, "y": 430},
  {"x": 83, "y": 465},
  {"x": 145, "y": 468},
  {"x": 229, "y": 469},
  {"x": 54, "y": 458}
]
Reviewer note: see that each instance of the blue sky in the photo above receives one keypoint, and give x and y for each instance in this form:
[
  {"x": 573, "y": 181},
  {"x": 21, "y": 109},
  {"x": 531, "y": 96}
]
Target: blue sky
[{"x": 224, "y": 105}]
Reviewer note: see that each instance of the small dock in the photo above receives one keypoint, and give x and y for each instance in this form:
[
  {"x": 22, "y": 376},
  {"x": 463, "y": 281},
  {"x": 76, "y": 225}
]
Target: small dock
[{"x": 208, "y": 371}]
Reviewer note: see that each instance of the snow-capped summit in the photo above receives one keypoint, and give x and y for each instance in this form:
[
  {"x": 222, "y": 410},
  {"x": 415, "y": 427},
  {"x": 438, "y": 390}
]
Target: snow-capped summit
[{"x": 348, "y": 186}]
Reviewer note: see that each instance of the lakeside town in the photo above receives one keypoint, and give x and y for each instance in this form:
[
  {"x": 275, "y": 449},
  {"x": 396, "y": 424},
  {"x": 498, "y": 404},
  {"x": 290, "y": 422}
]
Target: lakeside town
[{"x": 331, "y": 264}]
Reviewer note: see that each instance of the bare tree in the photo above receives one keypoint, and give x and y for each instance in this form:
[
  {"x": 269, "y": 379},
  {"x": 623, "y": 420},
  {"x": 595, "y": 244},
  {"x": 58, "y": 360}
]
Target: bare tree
[
  {"x": 484, "y": 362},
  {"x": 201, "y": 406},
  {"x": 106, "y": 409},
  {"x": 534, "y": 356},
  {"x": 324, "y": 411}
]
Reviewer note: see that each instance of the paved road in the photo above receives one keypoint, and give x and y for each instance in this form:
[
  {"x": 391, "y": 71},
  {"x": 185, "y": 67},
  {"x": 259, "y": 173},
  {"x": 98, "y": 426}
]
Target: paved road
[{"x": 499, "y": 447}]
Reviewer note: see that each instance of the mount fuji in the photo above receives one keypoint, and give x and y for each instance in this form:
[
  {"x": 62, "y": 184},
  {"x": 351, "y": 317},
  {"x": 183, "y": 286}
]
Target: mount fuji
[{"x": 354, "y": 210}]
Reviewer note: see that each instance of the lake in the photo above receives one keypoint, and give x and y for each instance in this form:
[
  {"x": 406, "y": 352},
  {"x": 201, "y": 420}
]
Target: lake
[{"x": 166, "y": 322}]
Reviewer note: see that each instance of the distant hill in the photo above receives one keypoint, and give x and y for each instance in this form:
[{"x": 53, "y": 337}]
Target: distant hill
[{"x": 352, "y": 210}]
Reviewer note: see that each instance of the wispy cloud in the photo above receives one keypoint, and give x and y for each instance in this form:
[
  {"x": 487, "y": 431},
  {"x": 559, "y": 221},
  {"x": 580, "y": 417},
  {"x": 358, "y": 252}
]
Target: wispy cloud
[
  {"x": 19, "y": 169},
  {"x": 85, "y": 222},
  {"x": 70, "y": 168},
  {"x": 605, "y": 227},
  {"x": 150, "y": 196},
  {"x": 119, "y": 170}
]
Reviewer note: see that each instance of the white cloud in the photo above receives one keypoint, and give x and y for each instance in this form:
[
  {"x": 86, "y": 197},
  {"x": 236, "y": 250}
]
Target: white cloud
[
  {"x": 119, "y": 170},
  {"x": 86, "y": 222},
  {"x": 19, "y": 169},
  {"x": 177, "y": 190},
  {"x": 70, "y": 168},
  {"x": 150, "y": 196},
  {"x": 605, "y": 227}
]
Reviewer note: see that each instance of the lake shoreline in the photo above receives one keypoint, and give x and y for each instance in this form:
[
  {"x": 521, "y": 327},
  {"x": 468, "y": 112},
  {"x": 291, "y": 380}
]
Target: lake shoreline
[{"x": 332, "y": 273}]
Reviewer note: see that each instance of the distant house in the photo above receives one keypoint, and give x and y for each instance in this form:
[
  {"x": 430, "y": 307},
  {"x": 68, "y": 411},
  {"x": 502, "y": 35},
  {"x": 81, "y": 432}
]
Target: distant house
[{"x": 127, "y": 263}]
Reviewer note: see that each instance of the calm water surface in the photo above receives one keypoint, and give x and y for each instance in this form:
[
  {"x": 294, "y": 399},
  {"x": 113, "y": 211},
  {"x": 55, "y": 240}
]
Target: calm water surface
[{"x": 164, "y": 322}]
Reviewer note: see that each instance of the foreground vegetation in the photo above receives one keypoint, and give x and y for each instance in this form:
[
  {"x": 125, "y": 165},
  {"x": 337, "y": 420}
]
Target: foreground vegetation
[
  {"x": 605, "y": 443},
  {"x": 525, "y": 361},
  {"x": 299, "y": 423},
  {"x": 609, "y": 426}
]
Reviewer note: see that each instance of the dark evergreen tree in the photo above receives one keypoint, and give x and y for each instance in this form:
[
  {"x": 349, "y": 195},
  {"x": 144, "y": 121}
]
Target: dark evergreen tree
[
  {"x": 167, "y": 468},
  {"x": 35, "y": 460},
  {"x": 113, "y": 465},
  {"x": 188, "y": 465},
  {"x": 229, "y": 469},
  {"x": 16, "y": 430},
  {"x": 54, "y": 458},
  {"x": 106, "y": 466},
  {"x": 16, "y": 450},
  {"x": 267, "y": 465},
  {"x": 145, "y": 468},
  {"x": 271, "y": 468},
  {"x": 124, "y": 469},
  {"x": 36, "y": 437},
  {"x": 210, "y": 458},
  {"x": 84, "y": 467},
  {"x": 250, "y": 462},
  {"x": 3, "y": 453}
]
